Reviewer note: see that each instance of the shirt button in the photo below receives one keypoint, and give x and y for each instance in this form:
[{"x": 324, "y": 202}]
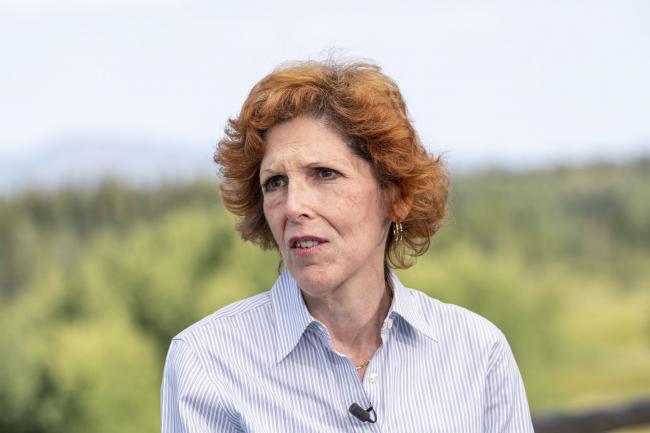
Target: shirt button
[
  {"x": 372, "y": 377},
  {"x": 390, "y": 323}
]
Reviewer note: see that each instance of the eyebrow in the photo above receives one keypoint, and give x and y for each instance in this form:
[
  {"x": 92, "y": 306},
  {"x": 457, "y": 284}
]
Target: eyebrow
[{"x": 341, "y": 163}]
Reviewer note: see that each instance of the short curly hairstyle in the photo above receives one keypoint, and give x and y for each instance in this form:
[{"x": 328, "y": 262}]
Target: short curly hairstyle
[{"x": 366, "y": 107}]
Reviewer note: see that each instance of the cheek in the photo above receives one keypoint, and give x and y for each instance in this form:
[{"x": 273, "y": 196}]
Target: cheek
[
  {"x": 271, "y": 217},
  {"x": 370, "y": 202},
  {"x": 360, "y": 210}
]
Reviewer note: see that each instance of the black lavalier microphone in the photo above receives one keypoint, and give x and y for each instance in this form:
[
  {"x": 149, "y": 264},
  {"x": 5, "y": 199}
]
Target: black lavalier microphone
[{"x": 365, "y": 415}]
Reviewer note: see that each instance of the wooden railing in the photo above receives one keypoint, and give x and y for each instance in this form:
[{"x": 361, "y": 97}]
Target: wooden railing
[{"x": 631, "y": 414}]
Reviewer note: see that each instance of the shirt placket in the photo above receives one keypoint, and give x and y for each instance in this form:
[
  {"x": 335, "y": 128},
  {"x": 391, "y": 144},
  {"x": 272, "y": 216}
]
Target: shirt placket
[
  {"x": 351, "y": 388},
  {"x": 375, "y": 379},
  {"x": 373, "y": 386}
]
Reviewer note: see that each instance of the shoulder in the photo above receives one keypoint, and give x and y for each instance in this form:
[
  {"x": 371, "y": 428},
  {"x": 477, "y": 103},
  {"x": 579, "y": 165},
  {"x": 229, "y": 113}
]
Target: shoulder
[
  {"x": 225, "y": 343},
  {"x": 454, "y": 323},
  {"x": 476, "y": 355},
  {"x": 253, "y": 312}
]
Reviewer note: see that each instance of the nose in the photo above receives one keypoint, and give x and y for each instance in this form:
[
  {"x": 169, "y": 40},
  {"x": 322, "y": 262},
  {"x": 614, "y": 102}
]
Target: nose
[{"x": 298, "y": 200}]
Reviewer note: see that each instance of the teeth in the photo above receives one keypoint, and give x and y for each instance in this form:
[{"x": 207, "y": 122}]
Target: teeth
[{"x": 306, "y": 244}]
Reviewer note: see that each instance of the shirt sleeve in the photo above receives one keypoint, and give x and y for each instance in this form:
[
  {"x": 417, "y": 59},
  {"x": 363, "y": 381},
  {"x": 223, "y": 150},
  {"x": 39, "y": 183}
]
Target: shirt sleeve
[
  {"x": 189, "y": 400},
  {"x": 506, "y": 408}
]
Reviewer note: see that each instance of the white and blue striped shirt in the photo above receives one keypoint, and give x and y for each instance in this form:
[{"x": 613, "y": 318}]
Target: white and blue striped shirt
[{"x": 264, "y": 364}]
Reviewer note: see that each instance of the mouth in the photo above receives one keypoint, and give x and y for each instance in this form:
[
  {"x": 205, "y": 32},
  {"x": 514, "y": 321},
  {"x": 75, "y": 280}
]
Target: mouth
[{"x": 305, "y": 243}]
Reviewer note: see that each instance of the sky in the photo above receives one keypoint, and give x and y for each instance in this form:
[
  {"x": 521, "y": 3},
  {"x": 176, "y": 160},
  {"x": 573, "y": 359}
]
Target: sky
[{"x": 498, "y": 82}]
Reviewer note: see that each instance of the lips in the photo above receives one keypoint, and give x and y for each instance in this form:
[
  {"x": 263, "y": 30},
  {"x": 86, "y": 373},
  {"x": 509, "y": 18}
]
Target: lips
[{"x": 305, "y": 242}]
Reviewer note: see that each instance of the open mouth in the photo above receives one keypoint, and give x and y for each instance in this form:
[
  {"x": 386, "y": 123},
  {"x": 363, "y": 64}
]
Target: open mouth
[{"x": 305, "y": 243}]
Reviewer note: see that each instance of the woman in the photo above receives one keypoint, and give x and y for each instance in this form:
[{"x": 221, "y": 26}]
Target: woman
[{"x": 324, "y": 165}]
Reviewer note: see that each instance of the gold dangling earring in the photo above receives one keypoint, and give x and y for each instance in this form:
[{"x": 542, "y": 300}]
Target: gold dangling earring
[{"x": 398, "y": 232}]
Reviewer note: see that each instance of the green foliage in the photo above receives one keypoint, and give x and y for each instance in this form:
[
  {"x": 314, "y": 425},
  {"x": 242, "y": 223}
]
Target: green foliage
[{"x": 94, "y": 283}]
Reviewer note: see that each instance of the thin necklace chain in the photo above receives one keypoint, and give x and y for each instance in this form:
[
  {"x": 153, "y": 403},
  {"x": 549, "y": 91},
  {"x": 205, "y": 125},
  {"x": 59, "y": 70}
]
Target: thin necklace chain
[{"x": 363, "y": 364}]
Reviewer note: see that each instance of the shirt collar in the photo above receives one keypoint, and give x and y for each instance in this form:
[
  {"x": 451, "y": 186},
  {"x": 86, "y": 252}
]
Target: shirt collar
[
  {"x": 407, "y": 306},
  {"x": 292, "y": 317}
]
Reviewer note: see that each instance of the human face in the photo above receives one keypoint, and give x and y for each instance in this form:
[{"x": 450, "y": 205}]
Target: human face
[{"x": 324, "y": 206}]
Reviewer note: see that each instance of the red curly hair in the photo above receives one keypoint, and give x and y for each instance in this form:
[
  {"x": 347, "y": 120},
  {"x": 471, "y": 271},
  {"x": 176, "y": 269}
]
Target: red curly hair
[{"x": 366, "y": 107}]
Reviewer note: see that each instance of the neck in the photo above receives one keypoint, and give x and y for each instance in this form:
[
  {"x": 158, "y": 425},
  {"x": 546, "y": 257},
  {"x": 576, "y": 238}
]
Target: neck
[{"x": 353, "y": 314}]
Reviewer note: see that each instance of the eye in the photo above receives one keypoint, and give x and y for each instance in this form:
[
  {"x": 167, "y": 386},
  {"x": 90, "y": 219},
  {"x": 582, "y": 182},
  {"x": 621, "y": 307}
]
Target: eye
[
  {"x": 273, "y": 183},
  {"x": 327, "y": 173}
]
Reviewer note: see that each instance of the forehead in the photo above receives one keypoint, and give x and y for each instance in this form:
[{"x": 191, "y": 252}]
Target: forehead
[{"x": 305, "y": 140}]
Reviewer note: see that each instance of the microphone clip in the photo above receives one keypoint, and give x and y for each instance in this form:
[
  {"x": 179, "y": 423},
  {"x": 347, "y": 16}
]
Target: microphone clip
[{"x": 365, "y": 415}]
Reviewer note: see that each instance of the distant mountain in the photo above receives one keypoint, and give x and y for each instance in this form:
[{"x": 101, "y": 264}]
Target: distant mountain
[{"x": 86, "y": 160}]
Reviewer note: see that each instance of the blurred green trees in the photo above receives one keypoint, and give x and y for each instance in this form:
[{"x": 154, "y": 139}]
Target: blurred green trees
[{"x": 95, "y": 282}]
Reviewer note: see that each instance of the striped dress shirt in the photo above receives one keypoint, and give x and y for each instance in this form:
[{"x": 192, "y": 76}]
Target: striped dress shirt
[{"x": 264, "y": 364}]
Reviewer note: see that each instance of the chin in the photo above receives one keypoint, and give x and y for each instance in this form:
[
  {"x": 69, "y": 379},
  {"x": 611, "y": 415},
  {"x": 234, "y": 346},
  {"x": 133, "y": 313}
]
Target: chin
[{"x": 313, "y": 281}]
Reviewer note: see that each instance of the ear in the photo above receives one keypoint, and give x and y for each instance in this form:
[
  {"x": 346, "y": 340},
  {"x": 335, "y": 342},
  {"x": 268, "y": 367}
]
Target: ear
[{"x": 399, "y": 205}]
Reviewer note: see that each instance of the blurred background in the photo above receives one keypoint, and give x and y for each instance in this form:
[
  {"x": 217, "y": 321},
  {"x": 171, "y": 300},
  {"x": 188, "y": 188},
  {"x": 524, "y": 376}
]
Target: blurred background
[{"x": 113, "y": 239}]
